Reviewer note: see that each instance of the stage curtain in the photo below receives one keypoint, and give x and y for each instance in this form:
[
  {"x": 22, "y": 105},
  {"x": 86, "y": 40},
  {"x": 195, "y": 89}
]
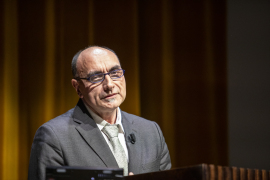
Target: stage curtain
[{"x": 174, "y": 54}]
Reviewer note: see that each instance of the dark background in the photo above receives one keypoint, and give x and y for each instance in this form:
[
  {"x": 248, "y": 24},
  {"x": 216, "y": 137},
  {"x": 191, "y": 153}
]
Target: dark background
[{"x": 249, "y": 83}]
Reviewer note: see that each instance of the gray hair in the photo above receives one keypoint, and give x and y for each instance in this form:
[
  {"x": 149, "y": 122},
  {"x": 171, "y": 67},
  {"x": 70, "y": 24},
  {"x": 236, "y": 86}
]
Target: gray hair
[{"x": 75, "y": 59}]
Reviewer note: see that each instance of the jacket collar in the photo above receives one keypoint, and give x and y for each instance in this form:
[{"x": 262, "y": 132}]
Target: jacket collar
[{"x": 91, "y": 134}]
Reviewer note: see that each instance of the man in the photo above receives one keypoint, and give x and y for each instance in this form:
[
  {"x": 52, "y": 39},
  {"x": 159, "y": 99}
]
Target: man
[{"x": 80, "y": 137}]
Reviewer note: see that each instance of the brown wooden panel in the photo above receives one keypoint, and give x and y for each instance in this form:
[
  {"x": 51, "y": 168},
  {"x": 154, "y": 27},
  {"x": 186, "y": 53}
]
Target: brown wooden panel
[
  {"x": 265, "y": 175},
  {"x": 236, "y": 174},
  {"x": 204, "y": 172},
  {"x": 185, "y": 173},
  {"x": 220, "y": 173},
  {"x": 243, "y": 175},
  {"x": 250, "y": 174},
  {"x": 258, "y": 174}
]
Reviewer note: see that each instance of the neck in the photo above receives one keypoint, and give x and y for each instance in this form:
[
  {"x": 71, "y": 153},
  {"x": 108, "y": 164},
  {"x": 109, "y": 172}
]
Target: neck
[{"x": 109, "y": 117}]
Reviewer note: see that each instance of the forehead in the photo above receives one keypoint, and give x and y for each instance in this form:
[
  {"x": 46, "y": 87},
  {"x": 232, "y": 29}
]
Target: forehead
[{"x": 96, "y": 59}]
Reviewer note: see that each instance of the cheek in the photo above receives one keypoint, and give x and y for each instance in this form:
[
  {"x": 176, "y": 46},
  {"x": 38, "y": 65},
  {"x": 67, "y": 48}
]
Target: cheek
[
  {"x": 122, "y": 88},
  {"x": 89, "y": 94},
  {"x": 94, "y": 95}
]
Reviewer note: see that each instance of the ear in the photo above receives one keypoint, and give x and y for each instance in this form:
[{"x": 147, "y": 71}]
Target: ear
[{"x": 75, "y": 85}]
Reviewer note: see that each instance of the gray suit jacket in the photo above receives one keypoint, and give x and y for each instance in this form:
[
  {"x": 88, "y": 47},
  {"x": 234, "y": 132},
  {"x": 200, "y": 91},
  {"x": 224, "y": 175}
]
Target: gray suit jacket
[{"x": 73, "y": 139}]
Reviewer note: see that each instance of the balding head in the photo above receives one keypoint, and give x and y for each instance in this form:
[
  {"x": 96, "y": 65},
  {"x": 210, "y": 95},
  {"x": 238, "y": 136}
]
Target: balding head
[{"x": 76, "y": 56}]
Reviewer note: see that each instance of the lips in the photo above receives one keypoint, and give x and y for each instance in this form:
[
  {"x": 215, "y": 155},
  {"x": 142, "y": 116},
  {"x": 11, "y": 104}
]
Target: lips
[{"x": 110, "y": 96}]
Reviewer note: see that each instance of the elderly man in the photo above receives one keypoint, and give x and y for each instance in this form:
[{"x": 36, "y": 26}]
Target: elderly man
[{"x": 96, "y": 133}]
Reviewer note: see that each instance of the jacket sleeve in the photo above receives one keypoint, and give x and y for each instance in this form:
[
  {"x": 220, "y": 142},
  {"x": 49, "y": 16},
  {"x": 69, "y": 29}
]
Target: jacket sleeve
[
  {"x": 45, "y": 151},
  {"x": 165, "y": 160}
]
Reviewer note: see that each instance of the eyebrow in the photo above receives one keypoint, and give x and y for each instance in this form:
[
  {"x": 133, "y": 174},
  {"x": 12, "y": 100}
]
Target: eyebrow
[
  {"x": 115, "y": 67},
  {"x": 98, "y": 72}
]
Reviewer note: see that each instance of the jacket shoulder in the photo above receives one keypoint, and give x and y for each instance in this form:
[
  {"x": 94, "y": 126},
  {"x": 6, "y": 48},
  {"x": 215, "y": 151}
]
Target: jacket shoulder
[
  {"x": 139, "y": 121},
  {"x": 60, "y": 121}
]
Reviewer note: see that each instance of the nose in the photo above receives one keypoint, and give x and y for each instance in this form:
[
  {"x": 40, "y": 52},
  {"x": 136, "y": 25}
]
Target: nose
[{"x": 108, "y": 83}]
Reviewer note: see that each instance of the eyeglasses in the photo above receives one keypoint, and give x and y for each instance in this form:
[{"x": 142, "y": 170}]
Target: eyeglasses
[{"x": 96, "y": 78}]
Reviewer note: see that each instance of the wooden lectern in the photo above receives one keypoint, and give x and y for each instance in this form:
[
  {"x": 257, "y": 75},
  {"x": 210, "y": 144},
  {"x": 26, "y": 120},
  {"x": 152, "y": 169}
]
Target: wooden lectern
[{"x": 204, "y": 172}]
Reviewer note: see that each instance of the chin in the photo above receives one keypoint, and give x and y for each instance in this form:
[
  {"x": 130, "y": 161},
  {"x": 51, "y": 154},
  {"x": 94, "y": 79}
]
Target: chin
[
  {"x": 111, "y": 100},
  {"x": 111, "y": 104}
]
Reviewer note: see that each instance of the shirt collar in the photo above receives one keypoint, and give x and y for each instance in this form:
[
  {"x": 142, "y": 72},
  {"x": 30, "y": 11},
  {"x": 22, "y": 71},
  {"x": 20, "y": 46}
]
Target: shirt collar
[{"x": 101, "y": 122}]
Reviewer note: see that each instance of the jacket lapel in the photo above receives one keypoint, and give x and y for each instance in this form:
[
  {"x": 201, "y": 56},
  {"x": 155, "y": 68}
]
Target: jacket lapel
[
  {"x": 134, "y": 150},
  {"x": 92, "y": 135}
]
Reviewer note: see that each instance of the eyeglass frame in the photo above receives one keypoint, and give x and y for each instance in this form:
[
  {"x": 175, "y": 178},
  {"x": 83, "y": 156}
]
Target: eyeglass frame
[{"x": 104, "y": 74}]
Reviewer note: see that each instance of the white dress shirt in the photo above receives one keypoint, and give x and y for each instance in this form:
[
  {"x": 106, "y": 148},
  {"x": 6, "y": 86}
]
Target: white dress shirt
[{"x": 101, "y": 123}]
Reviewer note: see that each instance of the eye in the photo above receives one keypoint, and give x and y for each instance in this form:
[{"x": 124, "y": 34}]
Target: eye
[
  {"x": 96, "y": 77},
  {"x": 113, "y": 73}
]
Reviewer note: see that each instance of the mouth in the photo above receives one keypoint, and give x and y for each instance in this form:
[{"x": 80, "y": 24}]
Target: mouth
[{"x": 109, "y": 96}]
